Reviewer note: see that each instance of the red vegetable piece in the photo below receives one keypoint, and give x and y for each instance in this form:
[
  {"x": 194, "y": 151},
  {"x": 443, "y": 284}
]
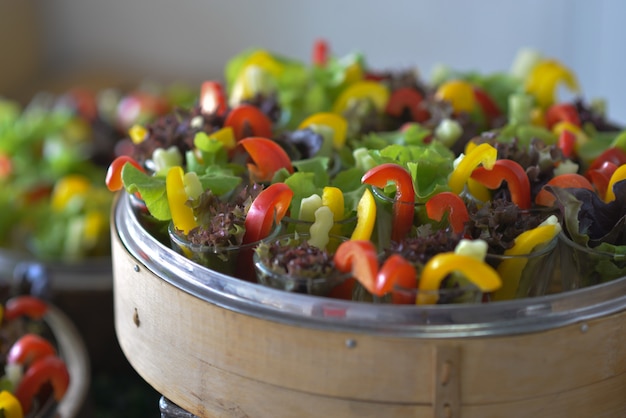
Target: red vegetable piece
[
  {"x": 399, "y": 277},
  {"x": 566, "y": 142},
  {"x": 29, "y": 306},
  {"x": 407, "y": 98},
  {"x": 320, "y": 53},
  {"x": 30, "y": 348},
  {"x": 267, "y": 209},
  {"x": 113, "y": 178},
  {"x": 404, "y": 201},
  {"x": 248, "y": 120},
  {"x": 6, "y": 166},
  {"x": 562, "y": 112},
  {"x": 545, "y": 198},
  {"x": 85, "y": 102},
  {"x": 360, "y": 258},
  {"x": 268, "y": 157},
  {"x": 489, "y": 107},
  {"x": 50, "y": 369},
  {"x": 452, "y": 204},
  {"x": 514, "y": 175},
  {"x": 601, "y": 177},
  {"x": 615, "y": 155},
  {"x": 213, "y": 98}
]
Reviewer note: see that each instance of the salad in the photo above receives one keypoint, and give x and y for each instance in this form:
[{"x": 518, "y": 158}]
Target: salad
[{"x": 485, "y": 164}]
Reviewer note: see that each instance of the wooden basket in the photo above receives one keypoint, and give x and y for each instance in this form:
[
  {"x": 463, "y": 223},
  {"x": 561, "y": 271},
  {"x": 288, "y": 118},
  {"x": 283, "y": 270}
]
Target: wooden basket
[{"x": 218, "y": 347}]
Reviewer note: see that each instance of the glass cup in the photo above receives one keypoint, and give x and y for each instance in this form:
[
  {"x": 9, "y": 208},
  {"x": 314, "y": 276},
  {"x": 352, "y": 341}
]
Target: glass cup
[
  {"x": 327, "y": 284},
  {"x": 582, "y": 266}
]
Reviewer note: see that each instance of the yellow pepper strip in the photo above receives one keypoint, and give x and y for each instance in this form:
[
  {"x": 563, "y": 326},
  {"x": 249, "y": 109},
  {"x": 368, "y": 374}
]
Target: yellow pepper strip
[
  {"x": 510, "y": 269},
  {"x": 618, "y": 175},
  {"x": 182, "y": 215},
  {"x": 332, "y": 197},
  {"x": 484, "y": 154},
  {"x": 226, "y": 136},
  {"x": 320, "y": 229},
  {"x": 137, "y": 134},
  {"x": 336, "y": 122},
  {"x": 484, "y": 276},
  {"x": 459, "y": 93},
  {"x": 68, "y": 187},
  {"x": 266, "y": 61},
  {"x": 366, "y": 217},
  {"x": 543, "y": 80},
  {"x": 10, "y": 406},
  {"x": 378, "y": 93},
  {"x": 95, "y": 224}
]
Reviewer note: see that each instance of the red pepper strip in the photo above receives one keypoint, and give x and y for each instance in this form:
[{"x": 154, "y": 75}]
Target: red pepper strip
[
  {"x": 30, "y": 306},
  {"x": 562, "y": 112},
  {"x": 320, "y": 53},
  {"x": 404, "y": 201},
  {"x": 452, "y": 204},
  {"x": 113, "y": 178},
  {"x": 567, "y": 142},
  {"x": 545, "y": 198},
  {"x": 28, "y": 349},
  {"x": 248, "y": 120},
  {"x": 615, "y": 155},
  {"x": 268, "y": 157},
  {"x": 213, "y": 98},
  {"x": 487, "y": 104},
  {"x": 6, "y": 166},
  {"x": 407, "y": 98},
  {"x": 85, "y": 102},
  {"x": 399, "y": 277},
  {"x": 600, "y": 177},
  {"x": 267, "y": 209},
  {"x": 514, "y": 175},
  {"x": 360, "y": 258},
  {"x": 50, "y": 369}
]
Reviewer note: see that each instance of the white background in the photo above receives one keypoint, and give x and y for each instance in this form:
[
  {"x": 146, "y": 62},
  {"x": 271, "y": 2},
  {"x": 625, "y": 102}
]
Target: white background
[{"x": 192, "y": 39}]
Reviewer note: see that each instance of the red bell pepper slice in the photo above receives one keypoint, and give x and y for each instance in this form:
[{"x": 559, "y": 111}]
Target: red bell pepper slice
[
  {"x": 404, "y": 201},
  {"x": 6, "y": 166},
  {"x": 267, "y": 210},
  {"x": 28, "y": 349},
  {"x": 213, "y": 98},
  {"x": 358, "y": 257},
  {"x": 545, "y": 198},
  {"x": 268, "y": 157},
  {"x": 25, "y": 305},
  {"x": 601, "y": 177},
  {"x": 248, "y": 120},
  {"x": 566, "y": 142},
  {"x": 562, "y": 112},
  {"x": 615, "y": 155},
  {"x": 514, "y": 175},
  {"x": 113, "y": 178},
  {"x": 85, "y": 102},
  {"x": 50, "y": 369},
  {"x": 407, "y": 98},
  {"x": 399, "y": 277},
  {"x": 320, "y": 53},
  {"x": 489, "y": 107},
  {"x": 452, "y": 204}
]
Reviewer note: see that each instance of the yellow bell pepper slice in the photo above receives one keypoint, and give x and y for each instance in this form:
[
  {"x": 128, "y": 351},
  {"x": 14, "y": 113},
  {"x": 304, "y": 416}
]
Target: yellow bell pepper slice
[
  {"x": 137, "y": 134},
  {"x": 182, "y": 215},
  {"x": 510, "y": 269},
  {"x": 376, "y": 92},
  {"x": 336, "y": 122},
  {"x": 10, "y": 406},
  {"x": 332, "y": 197},
  {"x": 226, "y": 136},
  {"x": 618, "y": 175},
  {"x": 544, "y": 78},
  {"x": 263, "y": 59},
  {"x": 366, "y": 217},
  {"x": 484, "y": 276},
  {"x": 484, "y": 154},
  {"x": 68, "y": 187},
  {"x": 459, "y": 93}
]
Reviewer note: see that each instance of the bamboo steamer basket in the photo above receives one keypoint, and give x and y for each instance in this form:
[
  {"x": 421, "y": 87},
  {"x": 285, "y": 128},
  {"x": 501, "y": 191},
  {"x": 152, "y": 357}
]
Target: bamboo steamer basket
[{"x": 220, "y": 347}]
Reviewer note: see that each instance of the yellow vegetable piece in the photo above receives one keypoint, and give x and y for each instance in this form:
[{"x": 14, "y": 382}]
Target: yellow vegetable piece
[
  {"x": 510, "y": 269},
  {"x": 459, "y": 93},
  {"x": 484, "y": 276},
  {"x": 68, "y": 187},
  {"x": 10, "y": 406},
  {"x": 182, "y": 215},
  {"x": 353, "y": 74},
  {"x": 226, "y": 136},
  {"x": 543, "y": 80},
  {"x": 336, "y": 122},
  {"x": 538, "y": 117},
  {"x": 366, "y": 217},
  {"x": 581, "y": 136},
  {"x": 137, "y": 134},
  {"x": 332, "y": 197},
  {"x": 95, "y": 223},
  {"x": 266, "y": 61},
  {"x": 618, "y": 175},
  {"x": 484, "y": 154},
  {"x": 376, "y": 92}
]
